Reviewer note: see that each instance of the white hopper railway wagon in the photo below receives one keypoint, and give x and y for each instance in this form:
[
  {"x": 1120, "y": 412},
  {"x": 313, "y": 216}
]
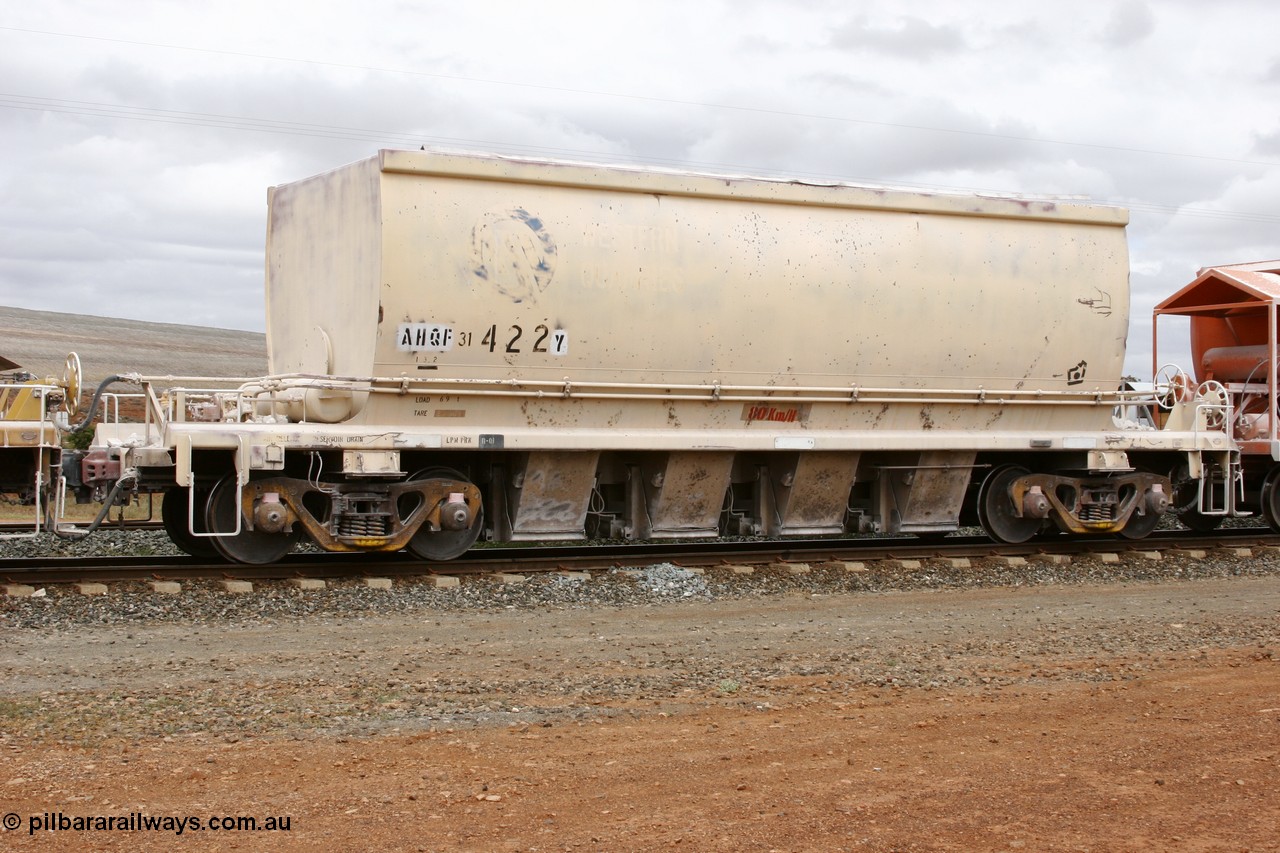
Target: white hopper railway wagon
[{"x": 465, "y": 345}]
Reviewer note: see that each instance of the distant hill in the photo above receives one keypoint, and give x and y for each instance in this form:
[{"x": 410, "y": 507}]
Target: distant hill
[{"x": 40, "y": 341}]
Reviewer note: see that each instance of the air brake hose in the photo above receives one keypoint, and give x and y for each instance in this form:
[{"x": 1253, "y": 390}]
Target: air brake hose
[
  {"x": 108, "y": 502},
  {"x": 97, "y": 398}
]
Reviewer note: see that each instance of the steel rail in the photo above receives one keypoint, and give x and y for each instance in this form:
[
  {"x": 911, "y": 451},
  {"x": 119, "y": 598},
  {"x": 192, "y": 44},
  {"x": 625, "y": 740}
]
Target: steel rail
[
  {"x": 594, "y": 557},
  {"x": 129, "y": 526}
]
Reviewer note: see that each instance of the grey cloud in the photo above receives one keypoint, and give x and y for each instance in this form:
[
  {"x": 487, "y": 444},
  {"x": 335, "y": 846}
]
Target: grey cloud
[
  {"x": 909, "y": 37},
  {"x": 844, "y": 84},
  {"x": 167, "y": 221},
  {"x": 1267, "y": 144},
  {"x": 971, "y": 142},
  {"x": 1131, "y": 22},
  {"x": 890, "y": 152}
]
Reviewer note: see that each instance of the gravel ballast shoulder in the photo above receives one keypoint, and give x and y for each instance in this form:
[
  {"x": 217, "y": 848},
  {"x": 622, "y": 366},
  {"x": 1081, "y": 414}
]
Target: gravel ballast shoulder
[{"x": 206, "y": 601}]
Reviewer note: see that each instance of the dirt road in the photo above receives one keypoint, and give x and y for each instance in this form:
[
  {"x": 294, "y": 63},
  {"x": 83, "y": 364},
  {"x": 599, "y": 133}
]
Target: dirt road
[{"x": 1140, "y": 716}]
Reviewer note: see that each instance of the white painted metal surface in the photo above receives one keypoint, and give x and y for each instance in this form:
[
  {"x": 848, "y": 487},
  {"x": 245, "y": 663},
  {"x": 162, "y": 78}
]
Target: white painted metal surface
[
  {"x": 507, "y": 294},
  {"x": 652, "y": 354}
]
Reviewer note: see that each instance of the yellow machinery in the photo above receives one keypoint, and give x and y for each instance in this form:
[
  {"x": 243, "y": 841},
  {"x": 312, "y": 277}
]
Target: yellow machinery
[{"x": 33, "y": 413}]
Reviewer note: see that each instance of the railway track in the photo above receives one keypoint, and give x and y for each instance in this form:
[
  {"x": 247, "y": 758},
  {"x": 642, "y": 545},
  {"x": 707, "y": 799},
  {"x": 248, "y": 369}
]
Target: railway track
[
  {"x": 18, "y": 527},
  {"x": 589, "y": 558}
]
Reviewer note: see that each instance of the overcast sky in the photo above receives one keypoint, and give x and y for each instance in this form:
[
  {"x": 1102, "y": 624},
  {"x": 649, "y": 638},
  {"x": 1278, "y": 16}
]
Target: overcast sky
[{"x": 140, "y": 138}]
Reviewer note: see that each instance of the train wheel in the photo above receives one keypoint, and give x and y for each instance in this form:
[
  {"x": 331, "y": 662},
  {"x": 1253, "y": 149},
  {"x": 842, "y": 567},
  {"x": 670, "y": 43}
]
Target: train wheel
[
  {"x": 996, "y": 511},
  {"x": 1139, "y": 526},
  {"x": 248, "y": 546},
  {"x": 1186, "y": 502},
  {"x": 1270, "y": 499},
  {"x": 173, "y": 512},
  {"x": 1193, "y": 519},
  {"x": 441, "y": 545}
]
